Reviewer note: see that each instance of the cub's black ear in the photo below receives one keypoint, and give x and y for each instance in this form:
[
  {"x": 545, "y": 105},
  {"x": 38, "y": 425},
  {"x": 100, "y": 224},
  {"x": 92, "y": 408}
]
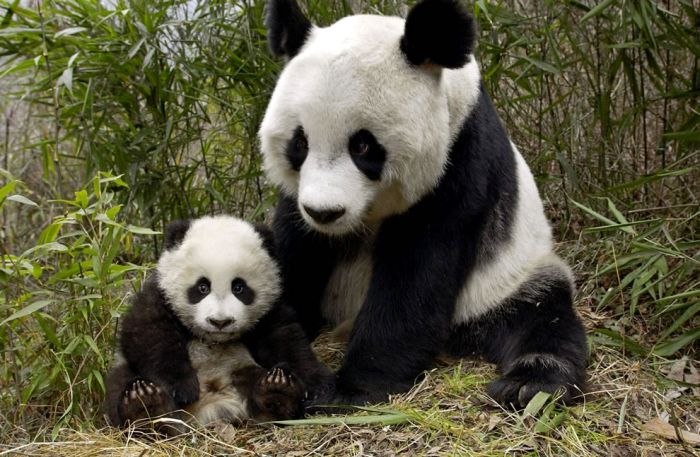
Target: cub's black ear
[
  {"x": 175, "y": 232},
  {"x": 287, "y": 27},
  {"x": 440, "y": 32},
  {"x": 268, "y": 239}
]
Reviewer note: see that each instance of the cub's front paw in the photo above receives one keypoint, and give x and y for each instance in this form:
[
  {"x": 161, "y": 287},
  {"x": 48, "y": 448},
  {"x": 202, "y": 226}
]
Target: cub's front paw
[
  {"x": 278, "y": 395},
  {"x": 144, "y": 399}
]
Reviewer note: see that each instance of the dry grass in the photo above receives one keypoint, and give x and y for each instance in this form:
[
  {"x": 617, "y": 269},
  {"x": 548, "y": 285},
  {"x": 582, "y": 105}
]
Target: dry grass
[{"x": 447, "y": 413}]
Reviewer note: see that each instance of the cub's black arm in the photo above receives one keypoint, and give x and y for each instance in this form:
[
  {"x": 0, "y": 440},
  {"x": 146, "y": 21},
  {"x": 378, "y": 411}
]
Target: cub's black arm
[
  {"x": 154, "y": 344},
  {"x": 279, "y": 340}
]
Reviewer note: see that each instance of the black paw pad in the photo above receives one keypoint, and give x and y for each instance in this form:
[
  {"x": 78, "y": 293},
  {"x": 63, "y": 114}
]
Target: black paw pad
[{"x": 278, "y": 394}]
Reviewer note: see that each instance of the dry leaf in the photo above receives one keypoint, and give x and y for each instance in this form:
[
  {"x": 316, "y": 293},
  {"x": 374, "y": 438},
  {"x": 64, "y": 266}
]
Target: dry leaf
[
  {"x": 694, "y": 378},
  {"x": 658, "y": 427},
  {"x": 677, "y": 369}
]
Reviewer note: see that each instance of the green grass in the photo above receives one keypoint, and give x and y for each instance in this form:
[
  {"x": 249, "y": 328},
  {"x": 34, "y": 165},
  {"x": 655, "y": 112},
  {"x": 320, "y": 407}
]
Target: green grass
[{"x": 117, "y": 120}]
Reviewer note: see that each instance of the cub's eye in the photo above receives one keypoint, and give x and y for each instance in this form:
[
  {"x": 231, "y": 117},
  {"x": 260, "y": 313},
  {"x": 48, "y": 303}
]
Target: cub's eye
[
  {"x": 238, "y": 286},
  {"x": 203, "y": 286},
  {"x": 360, "y": 149}
]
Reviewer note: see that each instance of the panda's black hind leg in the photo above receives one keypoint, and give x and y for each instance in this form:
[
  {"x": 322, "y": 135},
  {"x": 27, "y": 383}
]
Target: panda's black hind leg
[{"x": 536, "y": 340}]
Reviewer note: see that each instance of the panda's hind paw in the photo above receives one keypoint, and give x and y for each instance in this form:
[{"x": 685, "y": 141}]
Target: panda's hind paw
[{"x": 515, "y": 392}]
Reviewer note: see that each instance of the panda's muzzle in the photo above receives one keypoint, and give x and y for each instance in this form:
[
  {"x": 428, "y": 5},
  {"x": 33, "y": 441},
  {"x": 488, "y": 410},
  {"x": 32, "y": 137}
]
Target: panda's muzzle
[{"x": 324, "y": 216}]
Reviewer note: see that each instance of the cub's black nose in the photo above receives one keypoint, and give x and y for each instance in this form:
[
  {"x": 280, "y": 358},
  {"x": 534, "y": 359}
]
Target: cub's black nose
[
  {"x": 324, "y": 216},
  {"x": 219, "y": 323}
]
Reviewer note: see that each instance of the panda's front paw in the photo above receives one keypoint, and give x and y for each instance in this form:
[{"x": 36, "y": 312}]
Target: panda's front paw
[
  {"x": 185, "y": 391},
  {"x": 278, "y": 395},
  {"x": 144, "y": 399},
  {"x": 516, "y": 392}
]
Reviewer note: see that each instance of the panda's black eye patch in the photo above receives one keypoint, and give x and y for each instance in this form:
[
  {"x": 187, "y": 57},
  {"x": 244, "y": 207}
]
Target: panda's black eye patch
[
  {"x": 199, "y": 290},
  {"x": 240, "y": 289},
  {"x": 367, "y": 154},
  {"x": 297, "y": 149}
]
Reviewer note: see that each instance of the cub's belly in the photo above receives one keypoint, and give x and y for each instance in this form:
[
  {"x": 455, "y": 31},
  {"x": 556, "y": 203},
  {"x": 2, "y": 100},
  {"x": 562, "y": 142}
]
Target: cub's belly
[{"x": 219, "y": 399}]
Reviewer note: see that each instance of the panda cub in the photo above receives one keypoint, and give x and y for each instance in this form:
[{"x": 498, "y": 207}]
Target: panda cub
[{"x": 207, "y": 338}]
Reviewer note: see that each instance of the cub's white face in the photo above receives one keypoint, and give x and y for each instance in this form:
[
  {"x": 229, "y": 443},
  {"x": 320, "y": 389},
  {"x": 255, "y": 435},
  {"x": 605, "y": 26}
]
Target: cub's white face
[
  {"x": 220, "y": 280},
  {"x": 356, "y": 132}
]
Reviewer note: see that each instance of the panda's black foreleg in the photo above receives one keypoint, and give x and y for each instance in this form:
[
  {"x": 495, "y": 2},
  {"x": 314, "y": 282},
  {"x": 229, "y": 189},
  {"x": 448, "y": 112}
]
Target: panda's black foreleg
[
  {"x": 537, "y": 342},
  {"x": 405, "y": 319},
  {"x": 307, "y": 260}
]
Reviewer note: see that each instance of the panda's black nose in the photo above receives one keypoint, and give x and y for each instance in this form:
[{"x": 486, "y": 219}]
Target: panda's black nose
[
  {"x": 324, "y": 216},
  {"x": 219, "y": 323}
]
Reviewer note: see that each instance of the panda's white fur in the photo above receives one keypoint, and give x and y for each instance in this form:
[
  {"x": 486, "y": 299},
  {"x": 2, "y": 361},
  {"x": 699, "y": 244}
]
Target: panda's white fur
[
  {"x": 430, "y": 237},
  {"x": 219, "y": 399},
  {"x": 325, "y": 90},
  {"x": 219, "y": 248},
  {"x": 331, "y": 95}
]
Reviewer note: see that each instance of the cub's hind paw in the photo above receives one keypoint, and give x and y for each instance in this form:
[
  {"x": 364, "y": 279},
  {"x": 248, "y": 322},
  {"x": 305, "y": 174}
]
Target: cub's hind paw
[
  {"x": 144, "y": 399},
  {"x": 278, "y": 395}
]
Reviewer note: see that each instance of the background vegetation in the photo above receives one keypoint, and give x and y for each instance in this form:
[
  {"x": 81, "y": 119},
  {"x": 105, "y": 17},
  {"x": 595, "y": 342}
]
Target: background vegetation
[{"x": 121, "y": 115}]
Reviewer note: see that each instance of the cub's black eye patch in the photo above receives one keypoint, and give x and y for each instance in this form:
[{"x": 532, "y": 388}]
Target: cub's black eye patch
[
  {"x": 240, "y": 289},
  {"x": 367, "y": 154},
  {"x": 297, "y": 149},
  {"x": 199, "y": 290}
]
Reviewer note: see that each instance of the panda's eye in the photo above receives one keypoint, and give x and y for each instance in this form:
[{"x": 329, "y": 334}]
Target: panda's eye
[
  {"x": 297, "y": 149},
  {"x": 203, "y": 287},
  {"x": 238, "y": 286},
  {"x": 361, "y": 149}
]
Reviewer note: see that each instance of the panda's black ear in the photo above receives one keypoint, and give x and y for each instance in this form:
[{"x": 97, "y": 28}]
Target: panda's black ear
[
  {"x": 268, "y": 239},
  {"x": 287, "y": 27},
  {"x": 175, "y": 232},
  {"x": 439, "y": 32}
]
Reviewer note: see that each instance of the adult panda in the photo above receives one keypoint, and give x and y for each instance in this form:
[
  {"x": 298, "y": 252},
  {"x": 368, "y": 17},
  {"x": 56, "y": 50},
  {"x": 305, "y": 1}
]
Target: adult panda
[
  {"x": 406, "y": 209},
  {"x": 207, "y": 337}
]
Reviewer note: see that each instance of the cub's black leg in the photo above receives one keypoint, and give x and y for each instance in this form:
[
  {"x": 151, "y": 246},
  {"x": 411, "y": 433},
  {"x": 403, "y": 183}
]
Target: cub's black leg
[
  {"x": 132, "y": 399},
  {"x": 536, "y": 340}
]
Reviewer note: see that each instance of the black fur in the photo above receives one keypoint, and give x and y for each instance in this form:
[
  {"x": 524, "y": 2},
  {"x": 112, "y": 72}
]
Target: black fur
[
  {"x": 241, "y": 290},
  {"x": 175, "y": 232},
  {"x": 297, "y": 149},
  {"x": 421, "y": 260},
  {"x": 287, "y": 27},
  {"x": 268, "y": 239},
  {"x": 367, "y": 154},
  {"x": 440, "y": 32},
  {"x": 524, "y": 336}
]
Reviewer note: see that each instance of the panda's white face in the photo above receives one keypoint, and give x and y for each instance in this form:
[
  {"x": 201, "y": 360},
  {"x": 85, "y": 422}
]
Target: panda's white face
[
  {"x": 356, "y": 132},
  {"x": 220, "y": 280}
]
